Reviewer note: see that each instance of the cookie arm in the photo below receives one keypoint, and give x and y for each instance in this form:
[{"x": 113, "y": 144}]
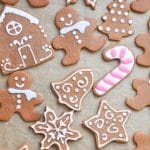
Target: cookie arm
[
  {"x": 93, "y": 23},
  {"x": 38, "y": 100},
  {"x": 58, "y": 42}
]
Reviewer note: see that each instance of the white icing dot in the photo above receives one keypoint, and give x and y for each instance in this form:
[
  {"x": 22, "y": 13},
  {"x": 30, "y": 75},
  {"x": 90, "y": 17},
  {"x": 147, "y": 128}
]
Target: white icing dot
[
  {"x": 11, "y": 44},
  {"x": 16, "y": 78},
  {"x": 114, "y": 120},
  {"x": 24, "y": 57},
  {"x": 105, "y": 17},
  {"x": 114, "y": 19},
  {"x": 65, "y": 96},
  {"x": 30, "y": 37},
  {"x": 119, "y": 13},
  {"x": 123, "y": 30},
  {"x": 74, "y": 78},
  {"x": 23, "y": 79},
  {"x": 18, "y": 96},
  {"x": 122, "y": 21},
  {"x": 114, "y": 5},
  {"x": 79, "y": 41},
  {"x": 130, "y": 21},
  {"x": 106, "y": 122},
  {"x": 112, "y": 11},
  {"x": 80, "y": 72},
  {"x": 149, "y": 82},
  {"x": 76, "y": 37},
  {"x": 126, "y": 13},
  {"x": 18, "y": 107},
  {"x": 2, "y": 65},
  {"x": 120, "y": 1},
  {"x": 57, "y": 87},
  {"x": 124, "y": 114},
  {"x": 40, "y": 26},
  {"x": 42, "y": 30},
  {"x": 120, "y": 135},
  {"x": 130, "y": 32},
  {"x": 3, "y": 61},
  {"x": 74, "y": 33},
  {"x": 107, "y": 29},
  {"x": 69, "y": 15},
  {"x": 7, "y": 59},
  {"x": 71, "y": 98},
  {"x": 76, "y": 105},
  {"x": 62, "y": 19},
  {"x": 45, "y": 35},
  {"x": 76, "y": 90},
  {"x": 122, "y": 6},
  {"x": 90, "y": 123},
  {"x": 84, "y": 90},
  {"x": 100, "y": 28},
  {"x": 105, "y": 107},
  {"x": 19, "y": 101},
  {"x": 116, "y": 30}
]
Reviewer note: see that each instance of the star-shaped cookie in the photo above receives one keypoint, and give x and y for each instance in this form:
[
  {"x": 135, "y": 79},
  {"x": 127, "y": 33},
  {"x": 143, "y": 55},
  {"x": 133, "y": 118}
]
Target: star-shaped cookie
[
  {"x": 142, "y": 140},
  {"x": 108, "y": 125},
  {"x": 56, "y": 130}
]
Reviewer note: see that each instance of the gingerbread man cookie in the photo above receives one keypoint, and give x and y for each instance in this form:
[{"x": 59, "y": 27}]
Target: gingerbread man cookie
[
  {"x": 108, "y": 125},
  {"x": 117, "y": 23},
  {"x": 142, "y": 140},
  {"x": 140, "y": 5},
  {"x": 74, "y": 88},
  {"x": 24, "y": 43},
  {"x": 75, "y": 34},
  {"x": 143, "y": 41},
  {"x": 56, "y": 130},
  {"x": 19, "y": 98},
  {"x": 142, "y": 99},
  {"x": 25, "y": 146},
  {"x": 33, "y": 3},
  {"x": 91, "y": 3}
]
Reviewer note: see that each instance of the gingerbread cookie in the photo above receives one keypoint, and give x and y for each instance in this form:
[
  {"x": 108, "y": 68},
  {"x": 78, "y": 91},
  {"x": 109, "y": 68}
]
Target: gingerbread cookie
[
  {"x": 142, "y": 140},
  {"x": 111, "y": 79},
  {"x": 56, "y": 130},
  {"x": 33, "y": 3},
  {"x": 91, "y": 3},
  {"x": 140, "y": 5},
  {"x": 25, "y": 146},
  {"x": 108, "y": 125},
  {"x": 117, "y": 23},
  {"x": 24, "y": 43},
  {"x": 143, "y": 41},
  {"x": 19, "y": 98},
  {"x": 75, "y": 34},
  {"x": 74, "y": 88},
  {"x": 142, "y": 99}
]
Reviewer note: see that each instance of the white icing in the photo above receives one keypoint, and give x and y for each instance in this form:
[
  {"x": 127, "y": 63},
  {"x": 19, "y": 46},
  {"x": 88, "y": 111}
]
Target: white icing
[
  {"x": 112, "y": 11},
  {"x": 114, "y": 19},
  {"x": 83, "y": 83},
  {"x": 20, "y": 85},
  {"x": 18, "y": 12},
  {"x": 73, "y": 99},
  {"x": 80, "y": 26},
  {"x": 104, "y": 137},
  {"x": 107, "y": 29},
  {"x": 62, "y": 19},
  {"x": 67, "y": 87},
  {"x": 28, "y": 93},
  {"x": 109, "y": 115},
  {"x": 99, "y": 123}
]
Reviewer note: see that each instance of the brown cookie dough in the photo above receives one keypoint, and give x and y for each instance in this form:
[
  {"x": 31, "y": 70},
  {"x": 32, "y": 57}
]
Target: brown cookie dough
[
  {"x": 140, "y": 5},
  {"x": 75, "y": 34},
  {"x": 19, "y": 98},
  {"x": 143, "y": 41},
  {"x": 142, "y": 98}
]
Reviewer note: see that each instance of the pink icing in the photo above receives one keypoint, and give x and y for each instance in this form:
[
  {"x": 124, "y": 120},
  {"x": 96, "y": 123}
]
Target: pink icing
[
  {"x": 108, "y": 81},
  {"x": 101, "y": 87},
  {"x": 117, "y": 75},
  {"x": 127, "y": 61},
  {"x": 122, "y": 53},
  {"x": 113, "y": 52},
  {"x": 124, "y": 69}
]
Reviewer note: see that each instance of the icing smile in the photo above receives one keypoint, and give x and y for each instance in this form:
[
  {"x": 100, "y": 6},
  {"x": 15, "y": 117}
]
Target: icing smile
[
  {"x": 19, "y": 85},
  {"x": 70, "y": 23}
]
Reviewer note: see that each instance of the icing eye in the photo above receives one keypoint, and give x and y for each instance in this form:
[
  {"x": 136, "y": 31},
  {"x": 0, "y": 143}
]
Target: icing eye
[
  {"x": 62, "y": 19},
  {"x": 16, "y": 78},
  {"x": 69, "y": 15},
  {"x": 23, "y": 79}
]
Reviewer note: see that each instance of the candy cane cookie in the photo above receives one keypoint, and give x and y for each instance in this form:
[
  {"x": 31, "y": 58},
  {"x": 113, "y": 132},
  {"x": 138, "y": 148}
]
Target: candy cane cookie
[{"x": 118, "y": 74}]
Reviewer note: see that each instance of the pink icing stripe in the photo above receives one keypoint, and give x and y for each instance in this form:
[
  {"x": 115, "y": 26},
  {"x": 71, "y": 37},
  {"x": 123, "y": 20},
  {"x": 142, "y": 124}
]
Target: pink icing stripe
[
  {"x": 113, "y": 52},
  {"x": 117, "y": 75},
  {"x": 124, "y": 69},
  {"x": 101, "y": 88},
  {"x": 127, "y": 61},
  {"x": 108, "y": 81},
  {"x": 122, "y": 53}
]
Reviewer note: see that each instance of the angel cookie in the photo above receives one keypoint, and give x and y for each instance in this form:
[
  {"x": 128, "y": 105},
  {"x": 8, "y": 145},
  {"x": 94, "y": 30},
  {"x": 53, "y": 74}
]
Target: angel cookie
[
  {"x": 143, "y": 41},
  {"x": 140, "y": 5},
  {"x": 75, "y": 34},
  {"x": 56, "y": 130},
  {"x": 19, "y": 98},
  {"x": 74, "y": 88},
  {"x": 33, "y": 3},
  {"x": 91, "y": 3},
  {"x": 142, "y": 99},
  {"x": 24, "y": 43},
  {"x": 108, "y": 125}
]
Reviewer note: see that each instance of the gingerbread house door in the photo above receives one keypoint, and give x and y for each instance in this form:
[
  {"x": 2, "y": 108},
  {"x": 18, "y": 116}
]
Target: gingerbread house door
[{"x": 27, "y": 55}]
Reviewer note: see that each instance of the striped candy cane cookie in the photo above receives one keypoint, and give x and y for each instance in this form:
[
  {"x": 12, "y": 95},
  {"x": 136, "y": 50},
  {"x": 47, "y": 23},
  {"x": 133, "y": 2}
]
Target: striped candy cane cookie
[{"x": 119, "y": 73}]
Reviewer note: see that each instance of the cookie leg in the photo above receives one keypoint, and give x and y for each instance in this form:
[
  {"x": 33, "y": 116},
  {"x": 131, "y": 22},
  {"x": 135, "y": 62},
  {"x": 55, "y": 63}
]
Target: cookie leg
[
  {"x": 71, "y": 57},
  {"x": 136, "y": 103},
  {"x": 9, "y": 2},
  {"x": 95, "y": 43},
  {"x": 29, "y": 115},
  {"x": 38, "y": 3}
]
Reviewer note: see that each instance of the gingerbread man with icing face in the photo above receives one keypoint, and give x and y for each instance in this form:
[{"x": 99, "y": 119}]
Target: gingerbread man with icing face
[
  {"x": 75, "y": 34},
  {"x": 19, "y": 98}
]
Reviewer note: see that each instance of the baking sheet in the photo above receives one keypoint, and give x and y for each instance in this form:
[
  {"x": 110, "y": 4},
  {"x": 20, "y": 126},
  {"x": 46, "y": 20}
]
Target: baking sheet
[{"x": 16, "y": 131}]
